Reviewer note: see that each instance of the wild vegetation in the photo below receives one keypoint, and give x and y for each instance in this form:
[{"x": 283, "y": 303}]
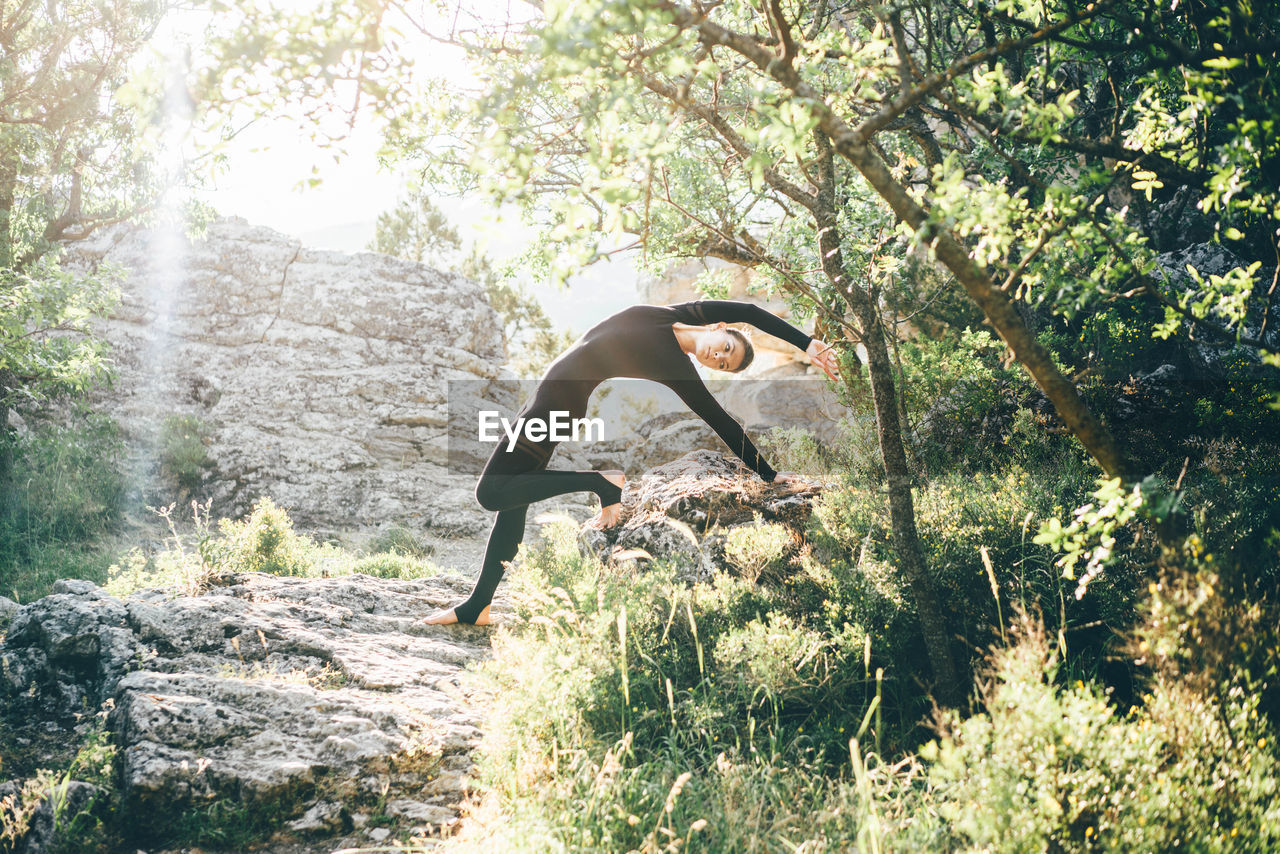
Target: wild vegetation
[{"x": 1037, "y": 607}]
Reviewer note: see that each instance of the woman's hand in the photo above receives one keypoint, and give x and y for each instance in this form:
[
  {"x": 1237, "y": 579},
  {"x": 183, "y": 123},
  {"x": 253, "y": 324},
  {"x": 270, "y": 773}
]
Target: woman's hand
[
  {"x": 788, "y": 477},
  {"x": 824, "y": 357}
]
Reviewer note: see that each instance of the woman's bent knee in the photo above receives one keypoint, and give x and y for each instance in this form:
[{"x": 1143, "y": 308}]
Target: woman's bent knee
[{"x": 488, "y": 492}]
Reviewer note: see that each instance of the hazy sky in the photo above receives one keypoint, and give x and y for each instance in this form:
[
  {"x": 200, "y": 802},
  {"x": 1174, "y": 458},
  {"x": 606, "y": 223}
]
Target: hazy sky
[
  {"x": 267, "y": 164},
  {"x": 271, "y": 159}
]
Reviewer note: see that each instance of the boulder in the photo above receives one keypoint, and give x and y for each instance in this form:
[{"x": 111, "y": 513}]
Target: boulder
[
  {"x": 8, "y": 609},
  {"x": 1207, "y": 354},
  {"x": 667, "y": 443},
  {"x": 64, "y": 654},
  {"x": 681, "y": 512},
  {"x": 786, "y": 396}
]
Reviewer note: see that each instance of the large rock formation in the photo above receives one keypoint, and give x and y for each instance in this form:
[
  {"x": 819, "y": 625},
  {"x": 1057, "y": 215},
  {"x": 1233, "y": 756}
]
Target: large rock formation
[{"x": 319, "y": 377}]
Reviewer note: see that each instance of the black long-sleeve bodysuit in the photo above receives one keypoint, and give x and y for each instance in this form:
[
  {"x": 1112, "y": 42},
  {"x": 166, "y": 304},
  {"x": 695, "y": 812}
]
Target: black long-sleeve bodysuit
[{"x": 637, "y": 342}]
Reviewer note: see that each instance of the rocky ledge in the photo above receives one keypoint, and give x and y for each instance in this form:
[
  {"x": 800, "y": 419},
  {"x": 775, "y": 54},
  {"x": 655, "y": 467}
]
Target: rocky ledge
[{"x": 318, "y": 707}]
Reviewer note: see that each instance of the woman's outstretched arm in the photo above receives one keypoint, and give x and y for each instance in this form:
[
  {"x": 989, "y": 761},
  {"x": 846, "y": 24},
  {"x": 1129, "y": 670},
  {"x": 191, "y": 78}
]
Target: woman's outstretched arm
[
  {"x": 705, "y": 311},
  {"x": 697, "y": 398}
]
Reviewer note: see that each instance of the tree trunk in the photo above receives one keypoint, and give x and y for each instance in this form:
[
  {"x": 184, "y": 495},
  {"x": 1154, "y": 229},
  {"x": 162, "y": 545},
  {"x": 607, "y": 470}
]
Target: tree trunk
[
  {"x": 8, "y": 192},
  {"x": 902, "y": 511}
]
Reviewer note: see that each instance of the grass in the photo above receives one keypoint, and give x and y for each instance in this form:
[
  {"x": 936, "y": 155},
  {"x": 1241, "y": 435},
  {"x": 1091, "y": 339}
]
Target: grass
[
  {"x": 782, "y": 710},
  {"x": 264, "y": 541},
  {"x": 43, "y": 565},
  {"x": 45, "y": 772}
]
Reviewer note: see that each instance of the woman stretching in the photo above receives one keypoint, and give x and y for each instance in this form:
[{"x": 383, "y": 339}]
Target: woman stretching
[{"x": 651, "y": 342}]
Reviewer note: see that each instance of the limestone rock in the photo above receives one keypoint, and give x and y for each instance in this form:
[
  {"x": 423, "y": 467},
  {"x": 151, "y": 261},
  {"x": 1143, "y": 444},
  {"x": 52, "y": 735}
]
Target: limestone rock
[
  {"x": 321, "y": 377},
  {"x": 8, "y": 608},
  {"x": 287, "y": 696},
  {"x": 64, "y": 654},
  {"x": 420, "y": 812},
  {"x": 324, "y": 819},
  {"x": 786, "y": 396},
  {"x": 682, "y": 510},
  {"x": 668, "y": 443}
]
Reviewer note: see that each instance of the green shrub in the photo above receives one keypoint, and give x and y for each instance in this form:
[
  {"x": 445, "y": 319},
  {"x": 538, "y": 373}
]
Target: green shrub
[
  {"x": 88, "y": 829},
  {"x": 44, "y": 564},
  {"x": 755, "y": 548},
  {"x": 1057, "y": 767},
  {"x": 393, "y": 565},
  {"x": 183, "y": 451},
  {"x": 401, "y": 540},
  {"x": 67, "y": 485},
  {"x": 634, "y": 712},
  {"x": 262, "y": 542},
  {"x": 775, "y": 662},
  {"x": 66, "y": 491},
  {"x": 854, "y": 455},
  {"x": 958, "y": 516}
]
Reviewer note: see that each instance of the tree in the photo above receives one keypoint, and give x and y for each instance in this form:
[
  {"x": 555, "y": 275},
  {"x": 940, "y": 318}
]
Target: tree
[
  {"x": 757, "y": 134},
  {"x": 68, "y": 167},
  {"x": 97, "y": 122}
]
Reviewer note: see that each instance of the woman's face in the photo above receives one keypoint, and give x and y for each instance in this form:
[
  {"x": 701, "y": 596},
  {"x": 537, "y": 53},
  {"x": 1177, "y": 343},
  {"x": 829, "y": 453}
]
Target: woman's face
[{"x": 719, "y": 350}]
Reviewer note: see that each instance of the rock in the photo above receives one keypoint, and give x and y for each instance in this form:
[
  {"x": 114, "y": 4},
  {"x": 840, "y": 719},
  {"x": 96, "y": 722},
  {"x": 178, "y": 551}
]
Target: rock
[
  {"x": 1207, "y": 353},
  {"x": 1210, "y": 259},
  {"x": 322, "y": 377},
  {"x": 668, "y": 539},
  {"x": 420, "y": 812},
  {"x": 668, "y": 443},
  {"x": 286, "y": 696},
  {"x": 680, "y": 512},
  {"x": 1148, "y": 395},
  {"x": 953, "y": 423},
  {"x": 325, "y": 818},
  {"x": 787, "y": 396},
  {"x": 64, "y": 654},
  {"x": 379, "y": 833},
  {"x": 661, "y": 421},
  {"x": 610, "y": 454},
  {"x": 76, "y": 587},
  {"x": 8, "y": 608}
]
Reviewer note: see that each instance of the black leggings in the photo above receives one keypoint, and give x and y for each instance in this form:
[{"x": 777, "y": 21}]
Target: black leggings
[{"x": 510, "y": 482}]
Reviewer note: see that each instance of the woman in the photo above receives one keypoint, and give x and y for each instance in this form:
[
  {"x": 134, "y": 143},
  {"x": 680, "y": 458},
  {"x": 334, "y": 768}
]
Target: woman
[{"x": 649, "y": 342}]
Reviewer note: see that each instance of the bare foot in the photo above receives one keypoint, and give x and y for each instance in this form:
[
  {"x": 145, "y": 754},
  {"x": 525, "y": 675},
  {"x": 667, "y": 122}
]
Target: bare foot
[
  {"x": 450, "y": 616},
  {"x": 606, "y": 518},
  {"x": 610, "y": 515},
  {"x": 791, "y": 482}
]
